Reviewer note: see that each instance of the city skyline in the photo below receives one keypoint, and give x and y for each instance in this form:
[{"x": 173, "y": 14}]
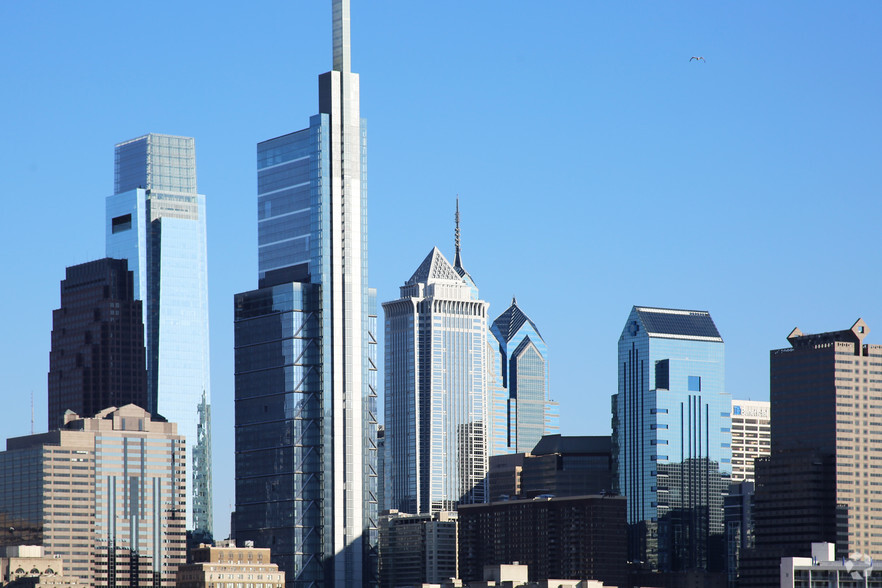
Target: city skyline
[{"x": 771, "y": 137}]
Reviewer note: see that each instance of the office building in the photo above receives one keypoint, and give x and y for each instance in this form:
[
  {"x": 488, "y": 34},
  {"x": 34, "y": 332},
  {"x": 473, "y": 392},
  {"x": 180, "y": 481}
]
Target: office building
[
  {"x": 436, "y": 400},
  {"x": 306, "y": 427},
  {"x": 671, "y": 436},
  {"x": 214, "y": 566},
  {"x": 820, "y": 482},
  {"x": 156, "y": 220},
  {"x": 579, "y": 537},
  {"x": 28, "y": 566},
  {"x": 382, "y": 481},
  {"x": 527, "y": 410},
  {"x": 559, "y": 465},
  {"x": 104, "y": 494},
  {"x": 417, "y": 549},
  {"x": 97, "y": 357},
  {"x": 751, "y": 436}
]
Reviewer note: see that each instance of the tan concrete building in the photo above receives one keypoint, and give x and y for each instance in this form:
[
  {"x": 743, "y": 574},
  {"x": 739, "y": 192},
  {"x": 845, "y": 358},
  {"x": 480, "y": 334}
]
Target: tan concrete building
[
  {"x": 751, "y": 436},
  {"x": 105, "y": 494},
  {"x": 225, "y": 565},
  {"x": 27, "y": 565}
]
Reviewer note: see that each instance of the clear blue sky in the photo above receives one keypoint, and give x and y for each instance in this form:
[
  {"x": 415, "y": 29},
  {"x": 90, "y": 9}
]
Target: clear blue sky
[{"x": 597, "y": 167}]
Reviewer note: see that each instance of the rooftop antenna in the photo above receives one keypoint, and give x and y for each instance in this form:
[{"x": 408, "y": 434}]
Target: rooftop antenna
[
  {"x": 457, "y": 262},
  {"x": 32, "y": 412}
]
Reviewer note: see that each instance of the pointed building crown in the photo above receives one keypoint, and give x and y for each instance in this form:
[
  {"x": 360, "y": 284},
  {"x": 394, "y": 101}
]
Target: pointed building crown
[
  {"x": 510, "y": 322},
  {"x": 434, "y": 267}
]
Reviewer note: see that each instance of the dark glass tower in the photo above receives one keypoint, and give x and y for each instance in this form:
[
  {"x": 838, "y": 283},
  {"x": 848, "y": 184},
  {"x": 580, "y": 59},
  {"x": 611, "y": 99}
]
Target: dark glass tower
[
  {"x": 306, "y": 430},
  {"x": 97, "y": 358}
]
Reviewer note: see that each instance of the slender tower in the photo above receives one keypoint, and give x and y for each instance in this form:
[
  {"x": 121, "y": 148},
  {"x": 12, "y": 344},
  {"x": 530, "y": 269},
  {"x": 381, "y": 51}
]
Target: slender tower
[{"x": 305, "y": 350}]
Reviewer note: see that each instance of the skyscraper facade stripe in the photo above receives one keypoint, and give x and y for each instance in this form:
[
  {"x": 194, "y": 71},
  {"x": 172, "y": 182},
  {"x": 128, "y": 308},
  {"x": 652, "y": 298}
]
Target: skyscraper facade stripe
[
  {"x": 156, "y": 220},
  {"x": 672, "y": 438},
  {"x": 305, "y": 343}
]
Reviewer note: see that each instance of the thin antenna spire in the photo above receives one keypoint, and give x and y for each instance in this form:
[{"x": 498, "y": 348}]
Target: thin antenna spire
[
  {"x": 340, "y": 11},
  {"x": 457, "y": 262},
  {"x": 32, "y": 412}
]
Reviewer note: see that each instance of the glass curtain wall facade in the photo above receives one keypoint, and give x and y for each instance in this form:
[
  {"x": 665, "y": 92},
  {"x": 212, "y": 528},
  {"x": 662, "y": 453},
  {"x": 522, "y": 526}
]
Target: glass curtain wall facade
[
  {"x": 156, "y": 220},
  {"x": 526, "y": 411},
  {"x": 672, "y": 438},
  {"x": 436, "y": 399},
  {"x": 305, "y": 345},
  {"x": 97, "y": 358}
]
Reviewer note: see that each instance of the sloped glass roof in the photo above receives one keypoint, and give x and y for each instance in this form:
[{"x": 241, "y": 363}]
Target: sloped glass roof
[{"x": 682, "y": 323}]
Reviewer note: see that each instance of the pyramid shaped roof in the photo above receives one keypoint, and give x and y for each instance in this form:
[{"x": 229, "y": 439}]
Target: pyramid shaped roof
[
  {"x": 509, "y": 322},
  {"x": 434, "y": 267}
]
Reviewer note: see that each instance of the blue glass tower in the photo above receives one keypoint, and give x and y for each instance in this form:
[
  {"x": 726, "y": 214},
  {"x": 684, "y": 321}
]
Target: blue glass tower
[
  {"x": 526, "y": 412},
  {"x": 672, "y": 439},
  {"x": 156, "y": 220},
  {"x": 306, "y": 430}
]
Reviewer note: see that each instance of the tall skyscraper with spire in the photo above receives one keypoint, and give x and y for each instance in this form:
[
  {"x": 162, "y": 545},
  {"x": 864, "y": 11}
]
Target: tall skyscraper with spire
[
  {"x": 306, "y": 430},
  {"x": 436, "y": 395},
  {"x": 156, "y": 220}
]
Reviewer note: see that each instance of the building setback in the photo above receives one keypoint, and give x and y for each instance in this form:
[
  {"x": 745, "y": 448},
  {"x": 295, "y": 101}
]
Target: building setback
[
  {"x": 559, "y": 465},
  {"x": 305, "y": 359},
  {"x": 97, "y": 357},
  {"x": 580, "y": 537},
  {"x": 671, "y": 436},
  {"x": 104, "y": 494},
  {"x": 436, "y": 400},
  {"x": 820, "y": 482},
  {"x": 156, "y": 220}
]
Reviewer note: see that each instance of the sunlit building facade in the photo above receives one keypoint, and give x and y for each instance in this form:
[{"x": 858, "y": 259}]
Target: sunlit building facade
[
  {"x": 305, "y": 367},
  {"x": 526, "y": 412},
  {"x": 106, "y": 495},
  {"x": 155, "y": 219},
  {"x": 672, "y": 438},
  {"x": 436, "y": 399}
]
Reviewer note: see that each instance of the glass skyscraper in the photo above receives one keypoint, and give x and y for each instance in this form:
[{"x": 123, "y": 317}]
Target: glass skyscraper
[
  {"x": 436, "y": 396},
  {"x": 156, "y": 220},
  {"x": 523, "y": 415},
  {"x": 672, "y": 439},
  {"x": 306, "y": 428}
]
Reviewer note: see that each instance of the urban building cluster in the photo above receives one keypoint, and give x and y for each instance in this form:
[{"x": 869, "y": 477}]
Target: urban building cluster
[{"x": 468, "y": 482}]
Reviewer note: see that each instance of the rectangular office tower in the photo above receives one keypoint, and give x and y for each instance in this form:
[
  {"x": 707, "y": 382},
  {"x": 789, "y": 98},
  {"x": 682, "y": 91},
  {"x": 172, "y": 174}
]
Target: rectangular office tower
[
  {"x": 104, "y": 494},
  {"x": 671, "y": 435},
  {"x": 97, "y": 357},
  {"x": 436, "y": 400},
  {"x": 156, "y": 220},
  {"x": 306, "y": 429},
  {"x": 821, "y": 480}
]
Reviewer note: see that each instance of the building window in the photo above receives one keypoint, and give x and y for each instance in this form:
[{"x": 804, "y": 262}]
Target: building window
[{"x": 695, "y": 383}]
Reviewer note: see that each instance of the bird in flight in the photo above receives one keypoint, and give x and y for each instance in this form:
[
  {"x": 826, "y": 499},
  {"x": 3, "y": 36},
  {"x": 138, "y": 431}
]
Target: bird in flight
[{"x": 697, "y": 59}]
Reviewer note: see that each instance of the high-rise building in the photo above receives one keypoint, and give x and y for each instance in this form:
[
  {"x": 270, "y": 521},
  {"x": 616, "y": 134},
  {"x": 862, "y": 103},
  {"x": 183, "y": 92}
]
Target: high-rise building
[
  {"x": 436, "y": 400},
  {"x": 106, "y": 495},
  {"x": 820, "y": 483},
  {"x": 306, "y": 427},
  {"x": 671, "y": 435},
  {"x": 417, "y": 549},
  {"x": 577, "y": 537},
  {"x": 527, "y": 410},
  {"x": 751, "y": 436},
  {"x": 156, "y": 220},
  {"x": 97, "y": 357}
]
